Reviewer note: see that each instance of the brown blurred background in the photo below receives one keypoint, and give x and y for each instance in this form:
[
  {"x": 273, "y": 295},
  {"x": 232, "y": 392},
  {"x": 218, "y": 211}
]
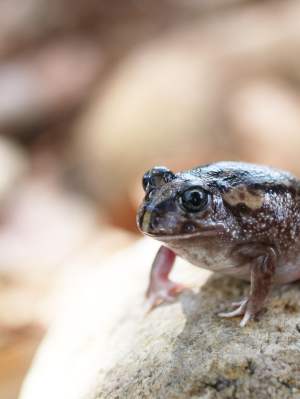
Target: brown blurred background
[{"x": 92, "y": 93}]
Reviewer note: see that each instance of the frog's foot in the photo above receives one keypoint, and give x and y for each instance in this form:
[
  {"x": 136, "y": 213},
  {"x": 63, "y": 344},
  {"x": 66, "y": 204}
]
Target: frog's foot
[
  {"x": 243, "y": 308},
  {"x": 262, "y": 272},
  {"x": 161, "y": 292}
]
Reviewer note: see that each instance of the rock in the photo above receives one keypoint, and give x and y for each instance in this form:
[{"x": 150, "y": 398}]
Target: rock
[{"x": 104, "y": 346}]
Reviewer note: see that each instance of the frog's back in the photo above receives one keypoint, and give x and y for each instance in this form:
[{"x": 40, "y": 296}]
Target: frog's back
[{"x": 230, "y": 174}]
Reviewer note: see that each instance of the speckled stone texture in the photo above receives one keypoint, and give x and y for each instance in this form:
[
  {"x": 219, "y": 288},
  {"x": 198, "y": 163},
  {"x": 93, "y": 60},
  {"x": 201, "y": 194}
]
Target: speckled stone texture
[
  {"x": 179, "y": 351},
  {"x": 186, "y": 351}
]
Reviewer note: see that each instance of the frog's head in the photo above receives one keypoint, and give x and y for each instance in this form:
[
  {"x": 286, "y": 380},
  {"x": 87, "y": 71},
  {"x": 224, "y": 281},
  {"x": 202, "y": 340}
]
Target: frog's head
[{"x": 179, "y": 206}]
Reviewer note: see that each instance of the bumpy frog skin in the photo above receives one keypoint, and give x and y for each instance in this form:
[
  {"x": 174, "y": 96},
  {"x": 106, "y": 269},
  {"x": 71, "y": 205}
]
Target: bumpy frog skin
[{"x": 234, "y": 218}]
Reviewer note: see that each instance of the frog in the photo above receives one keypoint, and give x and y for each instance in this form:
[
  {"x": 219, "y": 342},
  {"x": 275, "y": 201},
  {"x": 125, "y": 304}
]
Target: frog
[{"x": 235, "y": 218}]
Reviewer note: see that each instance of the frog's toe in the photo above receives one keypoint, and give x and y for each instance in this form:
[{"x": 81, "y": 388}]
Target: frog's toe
[
  {"x": 155, "y": 300},
  {"x": 165, "y": 293},
  {"x": 239, "y": 303},
  {"x": 247, "y": 316},
  {"x": 243, "y": 308},
  {"x": 240, "y": 311}
]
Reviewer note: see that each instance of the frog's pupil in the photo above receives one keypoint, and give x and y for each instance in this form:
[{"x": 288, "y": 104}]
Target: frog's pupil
[{"x": 195, "y": 198}]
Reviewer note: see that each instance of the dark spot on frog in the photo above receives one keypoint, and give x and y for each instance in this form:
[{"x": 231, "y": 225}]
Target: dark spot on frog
[
  {"x": 298, "y": 327},
  {"x": 240, "y": 209},
  {"x": 243, "y": 208}
]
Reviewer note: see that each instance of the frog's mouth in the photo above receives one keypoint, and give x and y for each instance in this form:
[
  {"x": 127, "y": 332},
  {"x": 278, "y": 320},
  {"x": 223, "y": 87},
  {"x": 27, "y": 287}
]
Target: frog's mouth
[
  {"x": 172, "y": 229},
  {"x": 209, "y": 232}
]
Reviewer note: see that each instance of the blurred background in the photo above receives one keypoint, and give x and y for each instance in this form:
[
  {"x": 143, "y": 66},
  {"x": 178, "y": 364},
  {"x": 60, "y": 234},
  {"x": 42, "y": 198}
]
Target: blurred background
[{"x": 92, "y": 93}]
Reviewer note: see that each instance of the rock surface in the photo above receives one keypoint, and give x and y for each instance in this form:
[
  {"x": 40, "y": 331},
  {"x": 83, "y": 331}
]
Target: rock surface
[{"x": 104, "y": 346}]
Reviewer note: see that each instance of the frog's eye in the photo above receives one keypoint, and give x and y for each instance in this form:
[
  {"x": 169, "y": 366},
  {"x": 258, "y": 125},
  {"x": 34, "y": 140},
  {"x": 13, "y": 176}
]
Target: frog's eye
[
  {"x": 194, "y": 199},
  {"x": 156, "y": 177}
]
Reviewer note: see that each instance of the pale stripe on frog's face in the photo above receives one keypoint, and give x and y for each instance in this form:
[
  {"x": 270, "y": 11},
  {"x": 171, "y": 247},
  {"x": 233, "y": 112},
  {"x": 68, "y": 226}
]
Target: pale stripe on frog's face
[{"x": 146, "y": 221}]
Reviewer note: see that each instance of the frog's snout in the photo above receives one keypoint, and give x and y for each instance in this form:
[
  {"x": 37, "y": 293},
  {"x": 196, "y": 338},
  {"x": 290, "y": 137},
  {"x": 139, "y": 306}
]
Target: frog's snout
[{"x": 149, "y": 220}]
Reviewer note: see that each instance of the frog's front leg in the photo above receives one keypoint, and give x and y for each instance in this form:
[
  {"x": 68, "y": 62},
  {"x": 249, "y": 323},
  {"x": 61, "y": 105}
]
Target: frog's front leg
[
  {"x": 161, "y": 288},
  {"x": 262, "y": 272}
]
